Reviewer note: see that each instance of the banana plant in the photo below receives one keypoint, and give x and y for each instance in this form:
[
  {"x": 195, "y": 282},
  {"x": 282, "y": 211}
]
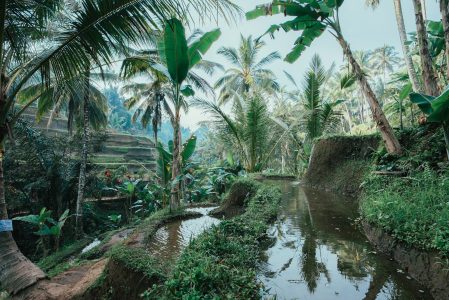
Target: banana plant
[
  {"x": 436, "y": 110},
  {"x": 46, "y": 226},
  {"x": 165, "y": 162},
  {"x": 178, "y": 59}
]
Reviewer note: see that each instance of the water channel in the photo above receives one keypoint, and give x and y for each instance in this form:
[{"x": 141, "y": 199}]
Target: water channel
[{"x": 319, "y": 253}]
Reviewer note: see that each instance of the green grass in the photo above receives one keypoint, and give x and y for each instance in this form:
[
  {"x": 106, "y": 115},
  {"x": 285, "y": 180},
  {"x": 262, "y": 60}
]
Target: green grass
[
  {"x": 414, "y": 209},
  {"x": 221, "y": 263},
  {"x": 137, "y": 260},
  {"x": 57, "y": 259}
]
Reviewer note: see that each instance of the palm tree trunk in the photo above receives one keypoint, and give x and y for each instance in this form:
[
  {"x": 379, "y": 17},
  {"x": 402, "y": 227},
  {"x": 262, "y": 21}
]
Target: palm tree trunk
[
  {"x": 83, "y": 165},
  {"x": 390, "y": 140},
  {"x": 176, "y": 164},
  {"x": 405, "y": 49},
  {"x": 444, "y": 9},
  {"x": 16, "y": 271},
  {"x": 429, "y": 77}
]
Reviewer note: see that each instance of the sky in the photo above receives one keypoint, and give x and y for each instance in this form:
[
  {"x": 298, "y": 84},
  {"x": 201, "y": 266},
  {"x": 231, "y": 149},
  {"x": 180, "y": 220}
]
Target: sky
[{"x": 363, "y": 28}]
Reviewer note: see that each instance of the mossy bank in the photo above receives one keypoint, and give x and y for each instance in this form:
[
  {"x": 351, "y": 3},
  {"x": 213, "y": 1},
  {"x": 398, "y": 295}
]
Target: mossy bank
[{"x": 402, "y": 199}]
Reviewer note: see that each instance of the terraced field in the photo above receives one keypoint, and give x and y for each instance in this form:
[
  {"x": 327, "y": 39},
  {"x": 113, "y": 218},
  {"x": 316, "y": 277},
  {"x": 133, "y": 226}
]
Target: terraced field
[{"x": 119, "y": 149}]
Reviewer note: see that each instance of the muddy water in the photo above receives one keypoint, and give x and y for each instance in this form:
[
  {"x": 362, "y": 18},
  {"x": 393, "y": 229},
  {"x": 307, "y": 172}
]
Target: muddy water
[
  {"x": 171, "y": 239},
  {"x": 319, "y": 254}
]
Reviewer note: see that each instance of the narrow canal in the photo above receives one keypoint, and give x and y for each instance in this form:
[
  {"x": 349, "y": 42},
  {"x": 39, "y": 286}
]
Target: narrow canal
[{"x": 319, "y": 253}]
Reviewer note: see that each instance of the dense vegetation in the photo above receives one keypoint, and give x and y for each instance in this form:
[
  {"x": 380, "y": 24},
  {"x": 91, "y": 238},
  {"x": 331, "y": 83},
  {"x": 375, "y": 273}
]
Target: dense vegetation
[{"x": 81, "y": 78}]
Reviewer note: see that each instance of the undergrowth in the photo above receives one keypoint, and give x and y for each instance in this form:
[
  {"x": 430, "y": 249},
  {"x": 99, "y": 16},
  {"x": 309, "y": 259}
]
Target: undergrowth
[
  {"x": 221, "y": 263},
  {"x": 413, "y": 208}
]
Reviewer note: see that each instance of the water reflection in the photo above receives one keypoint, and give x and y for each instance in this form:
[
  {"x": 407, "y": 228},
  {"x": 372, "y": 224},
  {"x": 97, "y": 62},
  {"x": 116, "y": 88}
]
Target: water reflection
[
  {"x": 319, "y": 254},
  {"x": 171, "y": 239}
]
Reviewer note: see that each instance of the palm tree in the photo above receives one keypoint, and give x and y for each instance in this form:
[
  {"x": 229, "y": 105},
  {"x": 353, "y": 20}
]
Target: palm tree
[
  {"x": 313, "y": 22},
  {"x": 247, "y": 71},
  {"x": 404, "y": 43},
  {"x": 428, "y": 73},
  {"x": 90, "y": 36},
  {"x": 384, "y": 59},
  {"x": 316, "y": 115},
  {"x": 246, "y": 132},
  {"x": 150, "y": 99},
  {"x": 85, "y": 106},
  {"x": 444, "y": 9}
]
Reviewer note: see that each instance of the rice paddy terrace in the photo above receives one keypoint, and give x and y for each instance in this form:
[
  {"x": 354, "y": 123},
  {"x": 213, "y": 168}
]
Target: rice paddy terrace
[{"x": 118, "y": 149}]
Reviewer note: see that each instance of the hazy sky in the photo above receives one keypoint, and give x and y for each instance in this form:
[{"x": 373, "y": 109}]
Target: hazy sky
[{"x": 362, "y": 27}]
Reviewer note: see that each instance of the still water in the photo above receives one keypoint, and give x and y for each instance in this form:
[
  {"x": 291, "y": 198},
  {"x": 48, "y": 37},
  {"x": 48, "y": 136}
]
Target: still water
[
  {"x": 171, "y": 239},
  {"x": 318, "y": 253}
]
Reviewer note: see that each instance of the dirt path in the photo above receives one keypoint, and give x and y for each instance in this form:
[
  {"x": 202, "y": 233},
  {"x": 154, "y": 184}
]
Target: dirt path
[{"x": 67, "y": 285}]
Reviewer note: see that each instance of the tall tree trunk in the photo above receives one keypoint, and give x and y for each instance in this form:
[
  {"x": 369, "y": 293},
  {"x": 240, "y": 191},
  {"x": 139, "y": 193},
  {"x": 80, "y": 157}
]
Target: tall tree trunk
[
  {"x": 83, "y": 165},
  {"x": 16, "y": 271},
  {"x": 429, "y": 77},
  {"x": 176, "y": 164},
  {"x": 388, "y": 136},
  {"x": 405, "y": 49},
  {"x": 444, "y": 9}
]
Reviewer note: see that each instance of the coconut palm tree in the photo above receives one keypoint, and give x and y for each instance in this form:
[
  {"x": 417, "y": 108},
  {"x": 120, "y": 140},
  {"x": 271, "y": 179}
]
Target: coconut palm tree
[
  {"x": 313, "y": 21},
  {"x": 85, "y": 107},
  {"x": 246, "y": 132},
  {"x": 428, "y": 73},
  {"x": 247, "y": 70},
  {"x": 384, "y": 59},
  {"x": 89, "y": 37},
  {"x": 404, "y": 42}
]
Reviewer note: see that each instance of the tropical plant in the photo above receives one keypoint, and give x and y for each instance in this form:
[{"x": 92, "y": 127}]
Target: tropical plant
[
  {"x": 313, "y": 18},
  {"x": 436, "y": 110},
  {"x": 46, "y": 226},
  {"x": 317, "y": 116},
  {"x": 247, "y": 71},
  {"x": 179, "y": 58},
  {"x": 165, "y": 162},
  {"x": 87, "y": 38},
  {"x": 404, "y": 42},
  {"x": 247, "y": 132}
]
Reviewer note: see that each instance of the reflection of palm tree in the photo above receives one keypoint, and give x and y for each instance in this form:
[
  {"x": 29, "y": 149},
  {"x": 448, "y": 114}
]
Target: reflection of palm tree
[{"x": 311, "y": 269}]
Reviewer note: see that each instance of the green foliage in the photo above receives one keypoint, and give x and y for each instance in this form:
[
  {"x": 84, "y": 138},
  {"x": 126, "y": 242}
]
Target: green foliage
[
  {"x": 436, "y": 108},
  {"x": 52, "y": 261},
  {"x": 413, "y": 209},
  {"x": 45, "y": 224},
  {"x": 175, "y": 49},
  {"x": 311, "y": 17},
  {"x": 221, "y": 263},
  {"x": 138, "y": 260}
]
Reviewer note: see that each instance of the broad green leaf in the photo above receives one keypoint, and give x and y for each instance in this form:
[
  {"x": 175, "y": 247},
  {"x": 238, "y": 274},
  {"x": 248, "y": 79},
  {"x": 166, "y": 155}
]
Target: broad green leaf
[
  {"x": 440, "y": 106},
  {"x": 201, "y": 46},
  {"x": 305, "y": 40},
  {"x": 188, "y": 148},
  {"x": 32, "y": 219},
  {"x": 405, "y": 91},
  {"x": 187, "y": 91},
  {"x": 264, "y": 10},
  {"x": 424, "y": 102},
  {"x": 170, "y": 146},
  {"x": 175, "y": 47}
]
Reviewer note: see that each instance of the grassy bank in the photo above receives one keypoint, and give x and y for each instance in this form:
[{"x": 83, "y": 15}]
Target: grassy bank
[
  {"x": 414, "y": 208},
  {"x": 221, "y": 263}
]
